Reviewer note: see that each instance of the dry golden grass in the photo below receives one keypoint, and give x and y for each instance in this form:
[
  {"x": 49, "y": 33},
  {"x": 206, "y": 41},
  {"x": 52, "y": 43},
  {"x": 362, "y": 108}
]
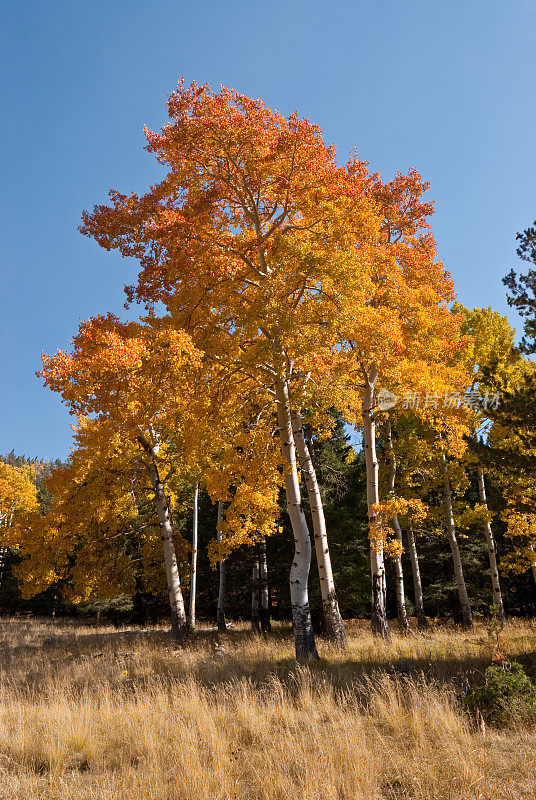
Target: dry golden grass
[{"x": 115, "y": 715}]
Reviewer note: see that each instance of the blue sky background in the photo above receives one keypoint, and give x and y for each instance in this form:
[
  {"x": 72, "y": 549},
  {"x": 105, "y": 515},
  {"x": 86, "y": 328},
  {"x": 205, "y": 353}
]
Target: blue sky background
[{"x": 447, "y": 87}]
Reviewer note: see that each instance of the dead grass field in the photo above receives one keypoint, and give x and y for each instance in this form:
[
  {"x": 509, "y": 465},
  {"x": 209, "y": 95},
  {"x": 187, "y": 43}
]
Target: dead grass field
[{"x": 108, "y": 715}]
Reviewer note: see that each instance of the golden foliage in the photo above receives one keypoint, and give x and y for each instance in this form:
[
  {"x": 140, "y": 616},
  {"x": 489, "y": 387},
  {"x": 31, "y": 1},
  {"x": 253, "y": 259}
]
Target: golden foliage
[{"x": 18, "y": 493}]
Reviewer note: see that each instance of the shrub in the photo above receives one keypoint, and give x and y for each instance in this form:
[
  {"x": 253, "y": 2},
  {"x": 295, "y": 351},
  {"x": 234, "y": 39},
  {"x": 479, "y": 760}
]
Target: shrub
[{"x": 507, "y": 696}]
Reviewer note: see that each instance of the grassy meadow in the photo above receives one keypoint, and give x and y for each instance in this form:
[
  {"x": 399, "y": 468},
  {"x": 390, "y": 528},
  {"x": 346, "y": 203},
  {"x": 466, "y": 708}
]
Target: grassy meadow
[{"x": 113, "y": 714}]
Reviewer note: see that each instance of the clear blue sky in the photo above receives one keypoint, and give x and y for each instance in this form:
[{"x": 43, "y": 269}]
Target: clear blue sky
[{"x": 448, "y": 87}]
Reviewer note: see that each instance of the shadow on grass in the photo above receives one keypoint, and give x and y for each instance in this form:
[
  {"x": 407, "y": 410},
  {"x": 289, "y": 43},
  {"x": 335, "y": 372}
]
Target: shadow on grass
[{"x": 149, "y": 660}]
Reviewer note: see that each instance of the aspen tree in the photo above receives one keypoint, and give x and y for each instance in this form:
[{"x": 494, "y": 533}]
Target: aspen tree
[
  {"x": 101, "y": 532},
  {"x": 179, "y": 624},
  {"x": 193, "y": 574},
  {"x": 18, "y": 495},
  {"x": 255, "y": 595},
  {"x": 330, "y": 606},
  {"x": 416, "y": 572},
  {"x": 220, "y": 614},
  {"x": 260, "y": 609},
  {"x": 463, "y": 597},
  {"x": 397, "y": 556},
  {"x": 404, "y": 337},
  {"x": 264, "y": 594},
  {"x": 488, "y": 343},
  {"x": 245, "y": 241},
  {"x": 278, "y": 262},
  {"x": 139, "y": 380},
  {"x": 492, "y": 554},
  {"x": 425, "y": 438},
  {"x": 406, "y": 467}
]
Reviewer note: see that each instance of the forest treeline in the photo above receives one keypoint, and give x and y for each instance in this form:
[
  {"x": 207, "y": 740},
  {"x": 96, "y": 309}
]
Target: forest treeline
[
  {"x": 288, "y": 302},
  {"x": 342, "y": 478}
]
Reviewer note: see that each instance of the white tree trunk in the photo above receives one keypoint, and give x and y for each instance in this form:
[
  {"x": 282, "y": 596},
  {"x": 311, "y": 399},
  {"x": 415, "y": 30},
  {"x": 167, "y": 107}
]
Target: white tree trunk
[
  {"x": 220, "y": 614},
  {"x": 304, "y": 639},
  {"x": 332, "y": 617},
  {"x": 402, "y": 613},
  {"x": 465, "y": 606},
  {"x": 255, "y": 596},
  {"x": 179, "y": 623},
  {"x": 495, "y": 582},
  {"x": 3, "y": 555},
  {"x": 380, "y": 626},
  {"x": 264, "y": 611},
  {"x": 193, "y": 580},
  {"x": 417, "y": 585}
]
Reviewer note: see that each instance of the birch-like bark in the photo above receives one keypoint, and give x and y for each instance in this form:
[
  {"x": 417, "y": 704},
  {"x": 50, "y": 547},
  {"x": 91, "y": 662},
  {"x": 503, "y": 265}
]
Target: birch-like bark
[
  {"x": 304, "y": 639},
  {"x": 417, "y": 585},
  {"x": 402, "y": 613},
  {"x": 220, "y": 614},
  {"x": 179, "y": 623},
  {"x": 334, "y": 625},
  {"x": 193, "y": 579},
  {"x": 264, "y": 595},
  {"x": 255, "y": 596},
  {"x": 495, "y": 582},
  {"x": 3, "y": 554},
  {"x": 401, "y": 610},
  {"x": 380, "y": 626},
  {"x": 465, "y": 606}
]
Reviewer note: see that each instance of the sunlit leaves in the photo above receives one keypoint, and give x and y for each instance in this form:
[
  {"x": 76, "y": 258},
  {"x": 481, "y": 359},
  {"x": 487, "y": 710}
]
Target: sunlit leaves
[{"x": 17, "y": 492}]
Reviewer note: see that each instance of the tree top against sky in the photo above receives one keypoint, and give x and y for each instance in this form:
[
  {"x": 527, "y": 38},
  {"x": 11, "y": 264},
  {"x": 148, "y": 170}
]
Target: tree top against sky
[{"x": 441, "y": 87}]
